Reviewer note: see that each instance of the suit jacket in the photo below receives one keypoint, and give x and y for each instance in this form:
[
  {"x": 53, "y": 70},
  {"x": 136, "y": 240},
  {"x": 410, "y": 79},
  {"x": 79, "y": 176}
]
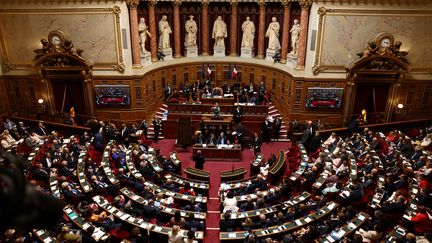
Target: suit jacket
[
  {"x": 41, "y": 131},
  {"x": 222, "y": 140}
]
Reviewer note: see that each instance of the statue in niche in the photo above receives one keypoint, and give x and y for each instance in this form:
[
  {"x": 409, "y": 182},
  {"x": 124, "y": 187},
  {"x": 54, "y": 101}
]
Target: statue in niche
[
  {"x": 164, "y": 34},
  {"x": 143, "y": 32},
  {"x": 248, "y": 28},
  {"x": 219, "y": 32},
  {"x": 191, "y": 32},
  {"x": 295, "y": 32},
  {"x": 273, "y": 35}
]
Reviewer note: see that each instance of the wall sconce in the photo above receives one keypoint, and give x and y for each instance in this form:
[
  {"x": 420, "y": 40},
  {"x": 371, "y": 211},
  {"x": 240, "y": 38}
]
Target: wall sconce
[
  {"x": 400, "y": 106},
  {"x": 40, "y": 101}
]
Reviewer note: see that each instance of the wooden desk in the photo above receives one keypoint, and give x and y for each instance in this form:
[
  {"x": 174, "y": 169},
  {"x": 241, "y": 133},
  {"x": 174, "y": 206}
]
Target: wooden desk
[
  {"x": 125, "y": 217},
  {"x": 220, "y": 100},
  {"x": 44, "y": 236},
  {"x": 232, "y": 153},
  {"x": 290, "y": 226},
  {"x": 347, "y": 229},
  {"x": 223, "y": 120},
  {"x": 99, "y": 234},
  {"x": 234, "y": 174}
]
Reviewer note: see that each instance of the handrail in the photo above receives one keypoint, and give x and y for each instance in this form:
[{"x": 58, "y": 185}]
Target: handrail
[{"x": 387, "y": 125}]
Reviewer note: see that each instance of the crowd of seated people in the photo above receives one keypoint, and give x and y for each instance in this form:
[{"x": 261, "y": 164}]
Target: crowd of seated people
[
  {"x": 61, "y": 155},
  {"x": 246, "y": 93},
  {"x": 350, "y": 168},
  {"x": 353, "y": 171}
]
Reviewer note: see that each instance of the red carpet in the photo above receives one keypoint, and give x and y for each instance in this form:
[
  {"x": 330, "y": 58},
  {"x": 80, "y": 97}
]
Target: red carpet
[{"x": 215, "y": 167}]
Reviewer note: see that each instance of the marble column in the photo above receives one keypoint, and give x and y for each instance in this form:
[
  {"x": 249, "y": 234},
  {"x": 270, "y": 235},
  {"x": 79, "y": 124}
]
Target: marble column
[
  {"x": 205, "y": 29},
  {"x": 177, "y": 41},
  {"x": 134, "y": 32},
  {"x": 261, "y": 29},
  {"x": 304, "y": 21},
  {"x": 233, "y": 28},
  {"x": 286, "y": 28},
  {"x": 152, "y": 24}
]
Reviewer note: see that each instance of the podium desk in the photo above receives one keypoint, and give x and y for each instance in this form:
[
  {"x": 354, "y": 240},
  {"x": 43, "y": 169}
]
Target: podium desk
[
  {"x": 217, "y": 99},
  {"x": 222, "y": 120},
  {"x": 219, "y": 152}
]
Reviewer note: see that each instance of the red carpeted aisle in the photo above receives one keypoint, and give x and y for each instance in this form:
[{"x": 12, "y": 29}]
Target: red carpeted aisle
[{"x": 215, "y": 167}]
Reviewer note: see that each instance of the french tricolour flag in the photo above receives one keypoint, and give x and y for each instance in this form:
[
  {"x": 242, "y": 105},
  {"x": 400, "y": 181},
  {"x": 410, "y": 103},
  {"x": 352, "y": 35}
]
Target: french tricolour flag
[{"x": 234, "y": 71}]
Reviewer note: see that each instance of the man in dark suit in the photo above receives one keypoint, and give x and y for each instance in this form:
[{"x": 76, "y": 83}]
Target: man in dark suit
[
  {"x": 222, "y": 139},
  {"x": 240, "y": 130},
  {"x": 8, "y": 124},
  {"x": 256, "y": 143},
  {"x": 308, "y": 134},
  {"x": 156, "y": 128},
  {"x": 41, "y": 130},
  {"x": 99, "y": 141},
  {"x": 216, "y": 110},
  {"x": 199, "y": 160},
  {"x": 237, "y": 114}
]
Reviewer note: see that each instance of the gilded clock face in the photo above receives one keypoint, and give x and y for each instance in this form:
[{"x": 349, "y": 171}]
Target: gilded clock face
[
  {"x": 55, "y": 40},
  {"x": 385, "y": 42}
]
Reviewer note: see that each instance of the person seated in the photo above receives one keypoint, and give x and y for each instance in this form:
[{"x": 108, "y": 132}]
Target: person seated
[
  {"x": 371, "y": 235},
  {"x": 216, "y": 110},
  {"x": 227, "y": 224},
  {"x": 421, "y": 221},
  {"x": 217, "y": 91},
  {"x": 230, "y": 203},
  {"x": 211, "y": 140},
  {"x": 192, "y": 224},
  {"x": 66, "y": 235},
  {"x": 221, "y": 140},
  {"x": 177, "y": 220},
  {"x": 393, "y": 208},
  {"x": 169, "y": 185},
  {"x": 187, "y": 190}
]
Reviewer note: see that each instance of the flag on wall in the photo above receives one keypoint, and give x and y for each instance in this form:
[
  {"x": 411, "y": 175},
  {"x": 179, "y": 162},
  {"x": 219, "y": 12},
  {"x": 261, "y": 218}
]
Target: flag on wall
[
  {"x": 229, "y": 72},
  {"x": 235, "y": 71},
  {"x": 208, "y": 70}
]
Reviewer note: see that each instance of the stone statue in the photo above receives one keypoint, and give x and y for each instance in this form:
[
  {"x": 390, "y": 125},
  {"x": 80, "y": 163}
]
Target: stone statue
[
  {"x": 164, "y": 34},
  {"x": 295, "y": 31},
  {"x": 143, "y": 32},
  {"x": 191, "y": 32},
  {"x": 273, "y": 35},
  {"x": 248, "y": 28},
  {"x": 219, "y": 32}
]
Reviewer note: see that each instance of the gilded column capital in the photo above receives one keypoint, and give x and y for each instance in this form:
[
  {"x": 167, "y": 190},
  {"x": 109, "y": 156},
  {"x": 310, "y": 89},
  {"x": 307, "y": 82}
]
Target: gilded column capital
[
  {"x": 234, "y": 2},
  {"x": 261, "y": 3},
  {"x": 132, "y": 4},
  {"x": 177, "y": 2},
  {"x": 286, "y": 3},
  {"x": 152, "y": 3},
  {"x": 305, "y": 4},
  {"x": 205, "y": 3}
]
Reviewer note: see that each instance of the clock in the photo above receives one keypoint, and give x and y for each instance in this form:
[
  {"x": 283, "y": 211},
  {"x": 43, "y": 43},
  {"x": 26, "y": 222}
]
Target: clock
[
  {"x": 55, "y": 40},
  {"x": 385, "y": 43},
  {"x": 385, "y": 40}
]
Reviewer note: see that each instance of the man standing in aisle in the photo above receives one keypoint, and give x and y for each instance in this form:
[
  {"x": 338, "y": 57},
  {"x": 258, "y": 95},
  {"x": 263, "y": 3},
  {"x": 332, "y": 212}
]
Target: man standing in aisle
[
  {"x": 156, "y": 128},
  {"x": 199, "y": 160}
]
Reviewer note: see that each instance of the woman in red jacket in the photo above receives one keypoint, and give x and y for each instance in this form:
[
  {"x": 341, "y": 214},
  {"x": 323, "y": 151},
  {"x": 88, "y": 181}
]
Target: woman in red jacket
[{"x": 421, "y": 221}]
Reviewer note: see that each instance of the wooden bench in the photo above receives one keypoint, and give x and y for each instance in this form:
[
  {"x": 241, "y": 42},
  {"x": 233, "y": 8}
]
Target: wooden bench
[
  {"x": 234, "y": 174},
  {"x": 278, "y": 168},
  {"x": 197, "y": 174}
]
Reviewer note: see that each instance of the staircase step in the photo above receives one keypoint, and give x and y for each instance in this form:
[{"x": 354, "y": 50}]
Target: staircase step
[
  {"x": 271, "y": 107},
  {"x": 165, "y": 105}
]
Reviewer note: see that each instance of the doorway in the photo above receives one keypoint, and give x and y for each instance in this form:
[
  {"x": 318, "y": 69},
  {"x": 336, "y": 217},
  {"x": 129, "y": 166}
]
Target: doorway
[
  {"x": 68, "y": 93},
  {"x": 373, "y": 98}
]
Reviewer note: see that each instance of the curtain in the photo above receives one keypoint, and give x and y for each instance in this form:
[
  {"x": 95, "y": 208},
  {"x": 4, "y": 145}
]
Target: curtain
[{"x": 74, "y": 95}]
